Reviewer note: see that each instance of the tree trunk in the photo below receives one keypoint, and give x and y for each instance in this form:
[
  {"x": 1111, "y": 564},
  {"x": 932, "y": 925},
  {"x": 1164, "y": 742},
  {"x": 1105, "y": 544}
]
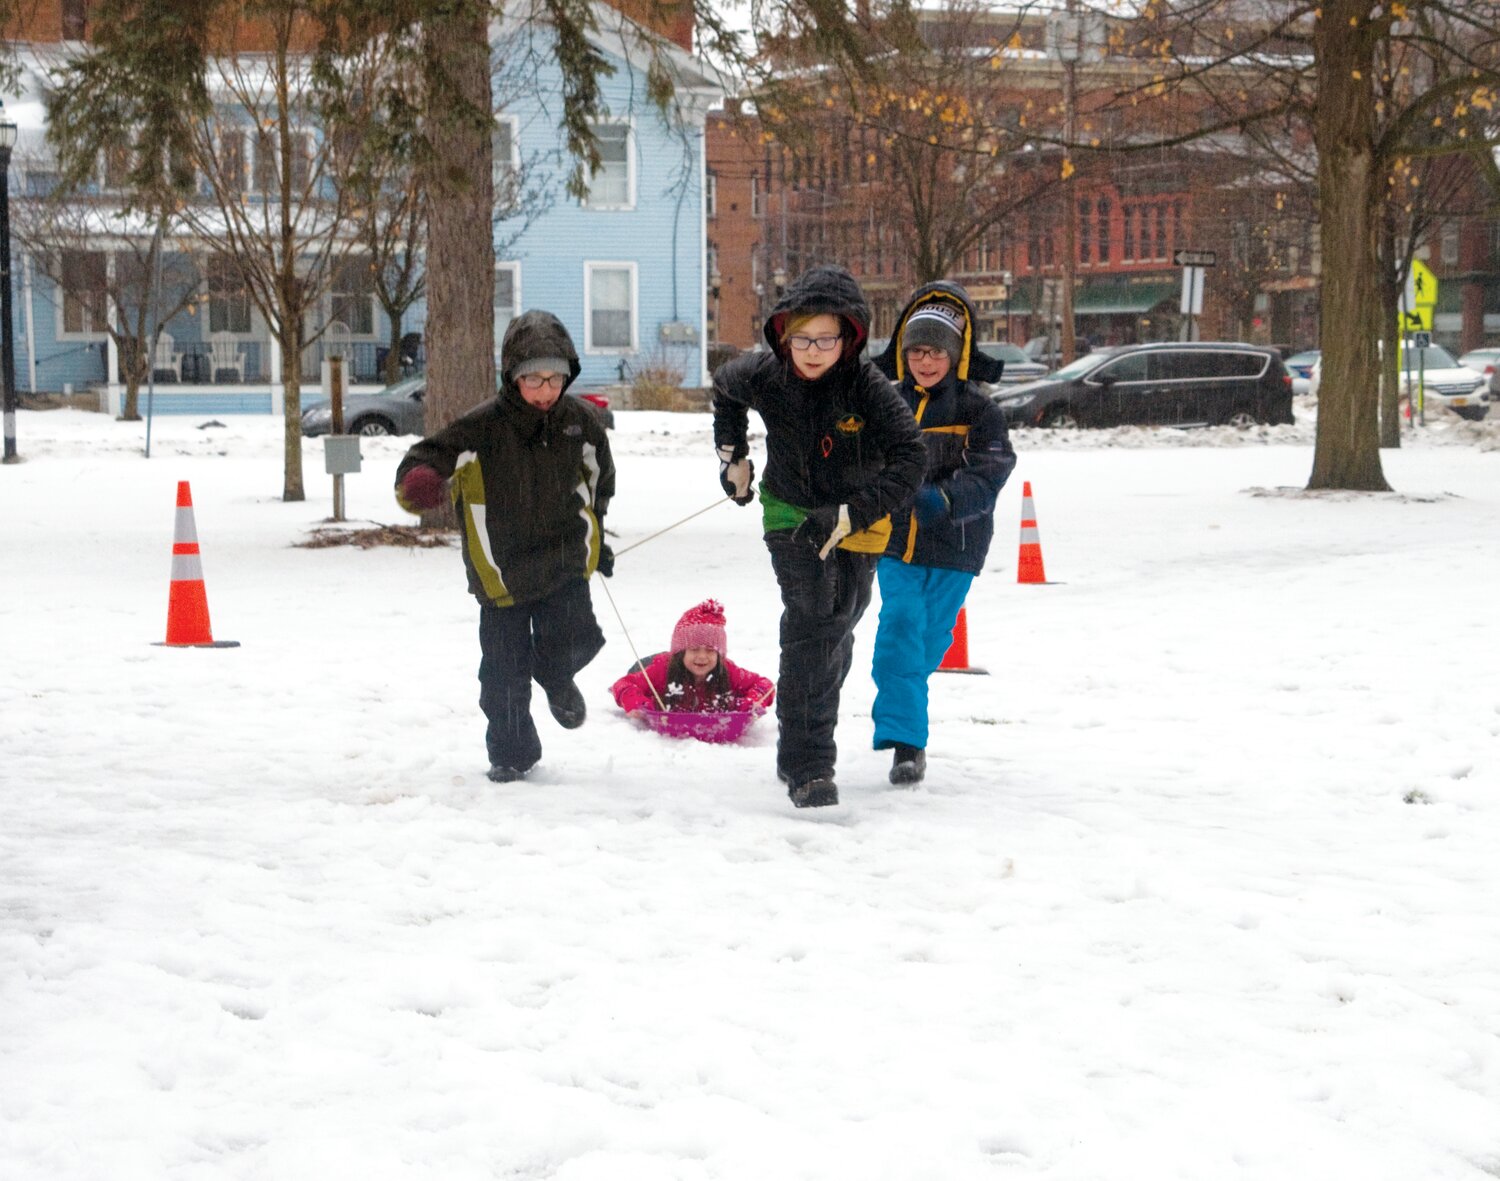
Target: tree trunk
[
  {"x": 1390, "y": 360},
  {"x": 460, "y": 246},
  {"x": 1350, "y": 191},
  {"x": 460, "y": 238},
  {"x": 392, "y": 372},
  {"x": 291, "y": 384}
]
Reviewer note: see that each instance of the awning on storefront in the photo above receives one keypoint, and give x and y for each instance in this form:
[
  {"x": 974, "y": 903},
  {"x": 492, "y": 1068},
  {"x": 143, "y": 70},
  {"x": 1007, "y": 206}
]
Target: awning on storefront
[{"x": 1110, "y": 299}]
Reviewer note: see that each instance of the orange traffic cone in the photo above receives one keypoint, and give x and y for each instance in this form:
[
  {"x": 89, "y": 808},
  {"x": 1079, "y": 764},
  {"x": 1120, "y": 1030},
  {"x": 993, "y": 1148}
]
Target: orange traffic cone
[
  {"x": 1029, "y": 567},
  {"x": 187, "y": 602},
  {"x": 956, "y": 659}
]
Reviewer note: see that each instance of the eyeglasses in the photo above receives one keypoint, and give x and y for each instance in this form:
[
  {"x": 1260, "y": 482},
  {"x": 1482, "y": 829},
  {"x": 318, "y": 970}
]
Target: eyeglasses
[
  {"x": 824, "y": 344},
  {"x": 535, "y": 382},
  {"x": 923, "y": 353}
]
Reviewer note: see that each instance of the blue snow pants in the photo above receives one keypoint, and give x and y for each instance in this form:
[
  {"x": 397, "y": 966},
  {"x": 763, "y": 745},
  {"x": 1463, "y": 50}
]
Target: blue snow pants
[{"x": 918, "y": 607}]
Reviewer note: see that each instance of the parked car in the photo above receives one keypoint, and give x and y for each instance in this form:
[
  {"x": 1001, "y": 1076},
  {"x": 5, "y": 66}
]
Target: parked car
[
  {"x": 1445, "y": 383},
  {"x": 1486, "y": 362},
  {"x": 1044, "y": 350},
  {"x": 1018, "y": 366},
  {"x": 397, "y": 410},
  {"x": 1161, "y": 384},
  {"x": 1300, "y": 366}
]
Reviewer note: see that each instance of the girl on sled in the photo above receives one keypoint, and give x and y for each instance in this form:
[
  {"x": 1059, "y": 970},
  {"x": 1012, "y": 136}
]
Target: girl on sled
[{"x": 695, "y": 676}]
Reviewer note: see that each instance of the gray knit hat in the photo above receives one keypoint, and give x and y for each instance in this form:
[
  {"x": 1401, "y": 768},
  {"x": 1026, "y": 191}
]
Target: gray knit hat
[
  {"x": 937, "y": 326},
  {"x": 540, "y": 365}
]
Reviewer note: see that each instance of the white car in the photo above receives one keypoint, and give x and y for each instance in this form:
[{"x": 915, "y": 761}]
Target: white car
[{"x": 1444, "y": 382}]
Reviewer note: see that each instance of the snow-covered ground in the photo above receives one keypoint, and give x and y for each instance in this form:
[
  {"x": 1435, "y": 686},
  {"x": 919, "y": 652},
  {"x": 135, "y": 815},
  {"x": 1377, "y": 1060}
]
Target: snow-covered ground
[{"x": 1203, "y": 882}]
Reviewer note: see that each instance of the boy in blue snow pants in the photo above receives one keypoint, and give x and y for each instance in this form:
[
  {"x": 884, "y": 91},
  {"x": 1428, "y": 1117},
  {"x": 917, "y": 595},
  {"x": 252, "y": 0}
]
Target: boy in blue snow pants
[{"x": 940, "y": 539}]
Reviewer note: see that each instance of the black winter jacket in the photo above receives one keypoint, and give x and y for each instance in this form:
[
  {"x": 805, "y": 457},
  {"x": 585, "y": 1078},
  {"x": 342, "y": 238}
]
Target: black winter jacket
[
  {"x": 846, "y": 438},
  {"x": 530, "y": 487},
  {"x": 969, "y": 456}
]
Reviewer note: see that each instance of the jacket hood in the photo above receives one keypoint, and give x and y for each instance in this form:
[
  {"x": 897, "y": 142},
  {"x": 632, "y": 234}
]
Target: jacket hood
[
  {"x": 973, "y": 365},
  {"x": 823, "y": 289},
  {"x": 530, "y": 336}
]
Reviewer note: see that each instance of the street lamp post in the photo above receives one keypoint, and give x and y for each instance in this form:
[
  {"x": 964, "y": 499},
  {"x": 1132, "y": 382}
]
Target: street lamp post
[{"x": 7, "y": 342}]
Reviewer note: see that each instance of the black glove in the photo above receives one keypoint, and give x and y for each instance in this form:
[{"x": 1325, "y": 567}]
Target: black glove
[
  {"x": 824, "y": 527},
  {"x": 736, "y": 474},
  {"x": 606, "y": 564}
]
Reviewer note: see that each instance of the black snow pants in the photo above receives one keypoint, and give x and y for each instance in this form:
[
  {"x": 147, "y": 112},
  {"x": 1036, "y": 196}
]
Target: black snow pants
[
  {"x": 821, "y": 602},
  {"x": 549, "y": 641}
]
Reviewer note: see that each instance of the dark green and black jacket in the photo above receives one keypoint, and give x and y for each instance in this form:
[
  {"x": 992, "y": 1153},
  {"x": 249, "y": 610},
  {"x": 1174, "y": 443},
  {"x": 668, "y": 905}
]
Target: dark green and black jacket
[
  {"x": 530, "y": 488},
  {"x": 846, "y": 438}
]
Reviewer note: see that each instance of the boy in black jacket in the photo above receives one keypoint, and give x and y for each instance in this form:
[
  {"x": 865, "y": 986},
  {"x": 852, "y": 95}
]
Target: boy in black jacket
[
  {"x": 939, "y": 541},
  {"x": 842, "y": 451},
  {"x": 532, "y": 477}
]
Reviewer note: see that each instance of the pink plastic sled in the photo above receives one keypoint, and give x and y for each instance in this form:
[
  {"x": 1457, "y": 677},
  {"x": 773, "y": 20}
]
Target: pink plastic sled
[{"x": 717, "y": 727}]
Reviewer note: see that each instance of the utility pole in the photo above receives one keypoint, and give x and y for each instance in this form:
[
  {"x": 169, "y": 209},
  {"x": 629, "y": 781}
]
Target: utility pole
[{"x": 1068, "y": 45}]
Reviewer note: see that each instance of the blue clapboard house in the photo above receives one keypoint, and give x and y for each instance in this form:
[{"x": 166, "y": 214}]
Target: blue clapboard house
[{"x": 623, "y": 267}]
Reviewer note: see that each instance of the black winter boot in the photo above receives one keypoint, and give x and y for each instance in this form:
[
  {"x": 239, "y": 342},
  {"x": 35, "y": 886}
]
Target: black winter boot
[
  {"x": 814, "y": 793},
  {"x": 499, "y": 773},
  {"x": 909, "y": 764},
  {"x": 568, "y": 706}
]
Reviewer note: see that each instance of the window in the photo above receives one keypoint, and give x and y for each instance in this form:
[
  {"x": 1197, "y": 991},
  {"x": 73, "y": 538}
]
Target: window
[
  {"x": 85, "y": 303},
  {"x": 1103, "y": 236},
  {"x": 507, "y": 300},
  {"x": 1449, "y": 248},
  {"x": 609, "y": 323},
  {"x": 352, "y": 298},
  {"x": 757, "y": 202},
  {"x": 117, "y": 166},
  {"x": 613, "y": 186},
  {"x": 1128, "y": 368},
  {"x": 228, "y": 301},
  {"x": 1085, "y": 228},
  {"x": 505, "y": 168},
  {"x": 74, "y": 19},
  {"x": 232, "y": 159},
  {"x": 265, "y": 163},
  {"x": 1127, "y": 215},
  {"x": 1161, "y": 231},
  {"x": 711, "y": 195}
]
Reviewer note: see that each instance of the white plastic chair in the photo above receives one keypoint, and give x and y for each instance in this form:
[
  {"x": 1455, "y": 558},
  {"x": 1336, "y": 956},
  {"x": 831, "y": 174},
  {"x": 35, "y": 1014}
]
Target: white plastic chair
[
  {"x": 166, "y": 357},
  {"x": 227, "y": 356}
]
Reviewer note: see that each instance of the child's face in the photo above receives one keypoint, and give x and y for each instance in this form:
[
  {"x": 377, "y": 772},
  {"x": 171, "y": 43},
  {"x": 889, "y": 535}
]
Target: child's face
[
  {"x": 700, "y": 661},
  {"x": 542, "y": 390},
  {"x": 928, "y": 366},
  {"x": 812, "y": 362}
]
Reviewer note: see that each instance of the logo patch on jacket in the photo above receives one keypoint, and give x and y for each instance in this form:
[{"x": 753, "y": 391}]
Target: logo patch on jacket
[{"x": 850, "y": 424}]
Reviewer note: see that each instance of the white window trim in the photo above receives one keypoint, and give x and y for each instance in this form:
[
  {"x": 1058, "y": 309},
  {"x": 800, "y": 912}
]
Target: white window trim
[
  {"x": 515, "y": 269},
  {"x": 206, "y": 294},
  {"x": 375, "y": 311},
  {"x": 589, "y": 267},
  {"x": 60, "y": 308},
  {"x": 630, "y": 177},
  {"x": 711, "y": 194},
  {"x": 514, "y": 164}
]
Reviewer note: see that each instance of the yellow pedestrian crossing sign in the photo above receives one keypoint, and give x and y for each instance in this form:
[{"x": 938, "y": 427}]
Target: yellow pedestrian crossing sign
[{"x": 1419, "y": 299}]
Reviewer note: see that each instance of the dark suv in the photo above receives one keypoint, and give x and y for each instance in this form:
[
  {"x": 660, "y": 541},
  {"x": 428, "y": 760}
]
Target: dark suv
[{"x": 1162, "y": 384}]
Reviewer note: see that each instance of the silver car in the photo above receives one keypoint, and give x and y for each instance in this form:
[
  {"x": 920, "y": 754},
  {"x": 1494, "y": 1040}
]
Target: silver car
[
  {"x": 1018, "y": 366},
  {"x": 397, "y": 410},
  {"x": 1487, "y": 362}
]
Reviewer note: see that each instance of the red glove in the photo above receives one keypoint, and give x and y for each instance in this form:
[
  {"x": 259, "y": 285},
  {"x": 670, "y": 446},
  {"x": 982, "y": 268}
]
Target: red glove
[{"x": 420, "y": 488}]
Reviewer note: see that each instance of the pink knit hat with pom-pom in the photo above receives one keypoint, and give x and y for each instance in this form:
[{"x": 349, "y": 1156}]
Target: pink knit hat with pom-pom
[{"x": 701, "y": 627}]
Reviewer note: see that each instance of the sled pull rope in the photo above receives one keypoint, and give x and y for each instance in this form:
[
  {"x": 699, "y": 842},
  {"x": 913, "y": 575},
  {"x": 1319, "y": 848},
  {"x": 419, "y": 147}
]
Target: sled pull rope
[
  {"x": 673, "y": 525},
  {"x": 638, "y": 662}
]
